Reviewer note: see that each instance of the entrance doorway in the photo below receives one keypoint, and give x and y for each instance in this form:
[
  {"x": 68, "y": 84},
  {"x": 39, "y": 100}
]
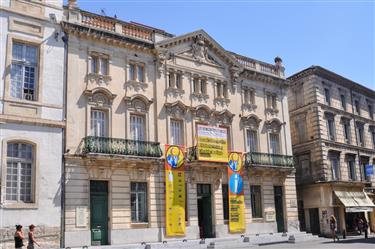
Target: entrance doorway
[
  {"x": 204, "y": 211},
  {"x": 279, "y": 207},
  {"x": 314, "y": 220},
  {"x": 99, "y": 212},
  {"x": 351, "y": 222}
]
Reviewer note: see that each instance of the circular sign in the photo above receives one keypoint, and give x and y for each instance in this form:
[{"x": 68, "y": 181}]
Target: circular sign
[
  {"x": 235, "y": 161},
  {"x": 235, "y": 183},
  {"x": 174, "y": 157}
]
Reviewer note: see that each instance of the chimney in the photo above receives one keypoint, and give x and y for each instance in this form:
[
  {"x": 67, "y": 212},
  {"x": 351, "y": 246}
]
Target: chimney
[{"x": 278, "y": 62}]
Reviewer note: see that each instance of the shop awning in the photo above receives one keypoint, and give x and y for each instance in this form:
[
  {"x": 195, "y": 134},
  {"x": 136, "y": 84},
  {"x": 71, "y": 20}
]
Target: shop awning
[{"x": 355, "y": 201}]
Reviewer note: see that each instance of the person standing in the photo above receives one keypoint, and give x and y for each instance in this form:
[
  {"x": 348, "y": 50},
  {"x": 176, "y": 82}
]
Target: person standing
[
  {"x": 18, "y": 237},
  {"x": 332, "y": 226},
  {"x": 32, "y": 240},
  {"x": 360, "y": 225}
]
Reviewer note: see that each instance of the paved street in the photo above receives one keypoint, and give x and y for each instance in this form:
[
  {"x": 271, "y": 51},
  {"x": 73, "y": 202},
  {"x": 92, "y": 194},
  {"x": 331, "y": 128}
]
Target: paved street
[{"x": 349, "y": 243}]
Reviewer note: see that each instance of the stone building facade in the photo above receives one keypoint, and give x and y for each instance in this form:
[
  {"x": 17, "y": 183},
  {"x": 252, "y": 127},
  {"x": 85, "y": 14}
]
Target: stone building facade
[
  {"x": 131, "y": 90},
  {"x": 333, "y": 137},
  {"x": 31, "y": 118}
]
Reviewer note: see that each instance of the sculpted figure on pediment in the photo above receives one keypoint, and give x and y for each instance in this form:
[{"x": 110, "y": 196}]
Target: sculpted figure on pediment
[{"x": 199, "y": 48}]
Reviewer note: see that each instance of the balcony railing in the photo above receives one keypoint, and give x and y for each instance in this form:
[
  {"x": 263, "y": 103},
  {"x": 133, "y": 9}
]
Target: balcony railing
[
  {"x": 117, "y": 146},
  {"x": 256, "y": 159}
]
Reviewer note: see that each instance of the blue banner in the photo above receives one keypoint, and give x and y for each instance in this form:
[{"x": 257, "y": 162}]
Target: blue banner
[{"x": 369, "y": 170}]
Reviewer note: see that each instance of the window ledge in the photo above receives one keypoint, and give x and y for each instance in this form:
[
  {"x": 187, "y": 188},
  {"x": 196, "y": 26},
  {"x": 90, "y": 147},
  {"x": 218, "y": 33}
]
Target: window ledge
[
  {"x": 139, "y": 225},
  {"x": 19, "y": 205},
  {"x": 175, "y": 90},
  {"x": 249, "y": 106},
  {"x": 136, "y": 83},
  {"x": 99, "y": 77},
  {"x": 272, "y": 110},
  {"x": 200, "y": 95},
  {"x": 222, "y": 99}
]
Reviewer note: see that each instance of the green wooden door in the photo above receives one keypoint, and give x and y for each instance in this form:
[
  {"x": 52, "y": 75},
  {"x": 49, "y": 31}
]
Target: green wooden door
[
  {"x": 279, "y": 206},
  {"x": 205, "y": 211},
  {"x": 99, "y": 212}
]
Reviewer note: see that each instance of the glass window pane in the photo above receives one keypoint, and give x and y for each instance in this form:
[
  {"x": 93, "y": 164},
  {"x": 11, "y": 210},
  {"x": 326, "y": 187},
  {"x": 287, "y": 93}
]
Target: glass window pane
[
  {"x": 17, "y": 51},
  {"x": 31, "y": 54},
  {"x": 140, "y": 73},
  {"x": 16, "y": 77}
]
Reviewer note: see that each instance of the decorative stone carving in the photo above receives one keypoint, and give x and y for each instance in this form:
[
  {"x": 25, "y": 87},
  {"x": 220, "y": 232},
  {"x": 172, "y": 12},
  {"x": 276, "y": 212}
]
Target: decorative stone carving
[
  {"x": 138, "y": 103},
  {"x": 252, "y": 121},
  {"x": 274, "y": 125},
  {"x": 199, "y": 48},
  {"x": 223, "y": 117},
  {"x": 235, "y": 74},
  {"x": 99, "y": 97},
  {"x": 176, "y": 109},
  {"x": 202, "y": 112},
  {"x": 98, "y": 78},
  {"x": 102, "y": 173}
]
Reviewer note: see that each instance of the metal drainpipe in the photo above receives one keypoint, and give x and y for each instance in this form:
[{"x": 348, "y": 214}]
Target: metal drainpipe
[
  {"x": 355, "y": 133},
  {"x": 62, "y": 229}
]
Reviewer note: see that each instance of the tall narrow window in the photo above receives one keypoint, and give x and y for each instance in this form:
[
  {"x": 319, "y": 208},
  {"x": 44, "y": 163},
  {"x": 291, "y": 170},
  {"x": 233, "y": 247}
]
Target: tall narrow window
[
  {"x": 331, "y": 127},
  {"x": 346, "y": 128},
  {"x": 343, "y": 101},
  {"x": 171, "y": 80},
  {"x": 137, "y": 127},
  {"x": 94, "y": 64},
  {"x": 225, "y": 194},
  {"x": 299, "y": 97},
  {"x": 203, "y": 86},
  {"x": 132, "y": 72},
  {"x": 178, "y": 81},
  {"x": 19, "y": 172},
  {"x": 351, "y": 169},
  {"x": 327, "y": 95},
  {"x": 360, "y": 130},
  {"x": 138, "y": 192},
  {"x": 140, "y": 73},
  {"x": 23, "y": 71},
  {"x": 104, "y": 66},
  {"x": 252, "y": 140},
  {"x": 335, "y": 167},
  {"x": 370, "y": 112},
  {"x": 275, "y": 143},
  {"x": 301, "y": 129},
  {"x": 176, "y": 132},
  {"x": 256, "y": 201},
  {"x": 373, "y": 138},
  {"x": 98, "y": 123},
  {"x": 357, "y": 107},
  {"x": 196, "y": 85}
]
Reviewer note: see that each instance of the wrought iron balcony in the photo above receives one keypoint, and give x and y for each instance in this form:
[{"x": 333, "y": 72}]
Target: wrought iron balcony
[
  {"x": 259, "y": 159},
  {"x": 118, "y": 146}
]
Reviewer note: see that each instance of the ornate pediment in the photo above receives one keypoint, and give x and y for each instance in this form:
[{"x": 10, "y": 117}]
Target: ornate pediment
[
  {"x": 176, "y": 109},
  {"x": 202, "y": 112},
  {"x": 274, "y": 125},
  {"x": 223, "y": 117},
  {"x": 138, "y": 103},
  {"x": 252, "y": 121},
  {"x": 99, "y": 96}
]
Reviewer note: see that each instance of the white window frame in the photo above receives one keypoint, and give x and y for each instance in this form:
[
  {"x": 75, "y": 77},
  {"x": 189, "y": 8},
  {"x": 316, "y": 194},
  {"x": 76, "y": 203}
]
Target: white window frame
[
  {"x": 248, "y": 135},
  {"x": 101, "y": 64},
  {"x": 17, "y": 86},
  {"x": 278, "y": 149},
  {"x": 138, "y": 74},
  {"x": 98, "y": 123},
  {"x": 137, "y": 128},
  {"x": 20, "y": 161},
  {"x": 176, "y": 132}
]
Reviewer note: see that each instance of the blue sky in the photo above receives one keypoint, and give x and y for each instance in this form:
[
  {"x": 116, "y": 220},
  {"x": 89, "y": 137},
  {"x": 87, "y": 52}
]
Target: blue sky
[{"x": 338, "y": 35}]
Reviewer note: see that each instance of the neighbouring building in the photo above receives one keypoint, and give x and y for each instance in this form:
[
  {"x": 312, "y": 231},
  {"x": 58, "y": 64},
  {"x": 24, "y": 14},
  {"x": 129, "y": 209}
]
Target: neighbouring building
[
  {"x": 132, "y": 89},
  {"x": 31, "y": 118},
  {"x": 333, "y": 136}
]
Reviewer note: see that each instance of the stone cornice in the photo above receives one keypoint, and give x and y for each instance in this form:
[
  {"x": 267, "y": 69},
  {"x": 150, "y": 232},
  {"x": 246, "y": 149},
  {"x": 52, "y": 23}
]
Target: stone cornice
[
  {"x": 331, "y": 76},
  {"x": 31, "y": 121}
]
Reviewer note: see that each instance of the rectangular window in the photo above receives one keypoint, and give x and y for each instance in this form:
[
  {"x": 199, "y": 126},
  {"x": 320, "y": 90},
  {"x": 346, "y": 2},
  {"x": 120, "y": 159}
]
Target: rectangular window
[
  {"x": 23, "y": 73},
  {"x": 19, "y": 172},
  {"x": 301, "y": 129},
  {"x": 178, "y": 81},
  {"x": 171, "y": 80},
  {"x": 331, "y": 128},
  {"x": 137, "y": 127},
  {"x": 343, "y": 101},
  {"x": 132, "y": 72},
  {"x": 203, "y": 88},
  {"x": 373, "y": 139},
  {"x": 225, "y": 193},
  {"x": 351, "y": 169},
  {"x": 360, "y": 131},
  {"x": 256, "y": 201},
  {"x": 335, "y": 167},
  {"x": 299, "y": 97},
  {"x": 357, "y": 107},
  {"x": 140, "y": 73},
  {"x": 252, "y": 140},
  {"x": 139, "y": 210},
  {"x": 196, "y": 85},
  {"x": 327, "y": 95},
  {"x": 275, "y": 143},
  {"x": 346, "y": 128},
  {"x": 94, "y": 64},
  {"x": 176, "y": 132},
  {"x": 370, "y": 112},
  {"x": 98, "y": 123},
  {"x": 271, "y": 101},
  {"x": 104, "y": 66}
]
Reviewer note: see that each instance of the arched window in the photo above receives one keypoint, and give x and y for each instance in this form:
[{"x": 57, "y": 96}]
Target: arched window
[{"x": 19, "y": 173}]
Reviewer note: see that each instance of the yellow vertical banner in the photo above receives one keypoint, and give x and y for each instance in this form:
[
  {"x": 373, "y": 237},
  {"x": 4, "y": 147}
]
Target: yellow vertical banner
[
  {"x": 174, "y": 191},
  {"x": 236, "y": 195}
]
